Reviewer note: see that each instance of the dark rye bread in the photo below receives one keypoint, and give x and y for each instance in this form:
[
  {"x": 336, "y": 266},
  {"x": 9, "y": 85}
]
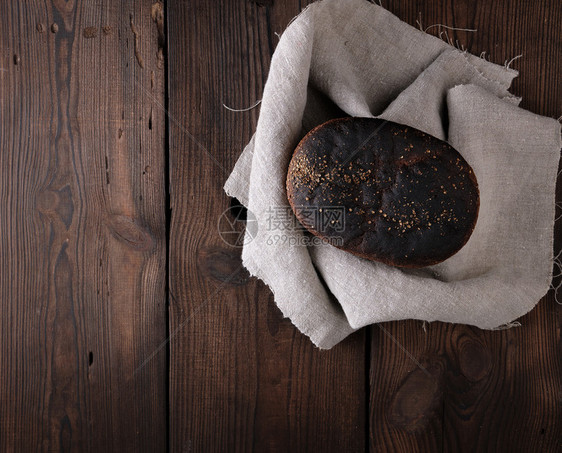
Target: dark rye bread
[{"x": 383, "y": 191}]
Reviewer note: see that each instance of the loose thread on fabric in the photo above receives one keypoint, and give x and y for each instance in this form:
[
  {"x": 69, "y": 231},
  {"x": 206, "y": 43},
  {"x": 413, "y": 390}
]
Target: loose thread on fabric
[
  {"x": 483, "y": 55},
  {"x": 481, "y": 74},
  {"x": 557, "y": 261},
  {"x": 460, "y": 46},
  {"x": 419, "y": 21},
  {"x": 507, "y": 63},
  {"x": 508, "y": 325},
  {"x": 242, "y": 110},
  {"x": 451, "y": 28},
  {"x": 444, "y": 36},
  {"x": 556, "y": 274}
]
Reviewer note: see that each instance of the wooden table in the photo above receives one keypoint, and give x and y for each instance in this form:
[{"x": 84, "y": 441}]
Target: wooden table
[{"x": 128, "y": 325}]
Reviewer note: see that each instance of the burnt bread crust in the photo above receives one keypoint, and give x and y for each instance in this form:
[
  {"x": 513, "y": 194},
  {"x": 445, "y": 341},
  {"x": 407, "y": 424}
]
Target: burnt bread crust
[{"x": 383, "y": 191}]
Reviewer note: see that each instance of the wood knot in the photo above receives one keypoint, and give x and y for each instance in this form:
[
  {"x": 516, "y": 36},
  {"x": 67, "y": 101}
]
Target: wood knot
[
  {"x": 56, "y": 202},
  {"x": 417, "y": 398},
  {"x": 90, "y": 32},
  {"x": 127, "y": 231},
  {"x": 475, "y": 361},
  {"x": 47, "y": 201},
  {"x": 223, "y": 265}
]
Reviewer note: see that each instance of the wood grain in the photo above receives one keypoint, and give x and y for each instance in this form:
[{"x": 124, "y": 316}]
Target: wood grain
[
  {"x": 241, "y": 377},
  {"x": 83, "y": 251},
  {"x": 83, "y": 242},
  {"x": 496, "y": 391}
]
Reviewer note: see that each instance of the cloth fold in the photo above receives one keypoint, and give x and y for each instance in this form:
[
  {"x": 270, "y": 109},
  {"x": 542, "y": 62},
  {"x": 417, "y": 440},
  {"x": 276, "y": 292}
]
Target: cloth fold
[{"x": 354, "y": 58}]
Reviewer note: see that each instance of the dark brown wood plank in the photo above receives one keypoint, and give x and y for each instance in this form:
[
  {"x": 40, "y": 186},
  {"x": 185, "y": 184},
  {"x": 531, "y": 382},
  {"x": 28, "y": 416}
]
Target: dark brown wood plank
[
  {"x": 497, "y": 391},
  {"x": 241, "y": 377},
  {"x": 82, "y": 221}
]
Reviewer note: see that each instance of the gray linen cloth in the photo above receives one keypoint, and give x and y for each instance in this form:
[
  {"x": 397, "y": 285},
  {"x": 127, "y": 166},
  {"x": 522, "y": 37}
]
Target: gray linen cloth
[{"x": 355, "y": 58}]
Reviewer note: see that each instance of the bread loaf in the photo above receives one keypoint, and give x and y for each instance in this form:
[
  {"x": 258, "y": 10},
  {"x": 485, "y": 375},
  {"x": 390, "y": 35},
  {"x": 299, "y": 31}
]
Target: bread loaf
[{"x": 383, "y": 191}]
